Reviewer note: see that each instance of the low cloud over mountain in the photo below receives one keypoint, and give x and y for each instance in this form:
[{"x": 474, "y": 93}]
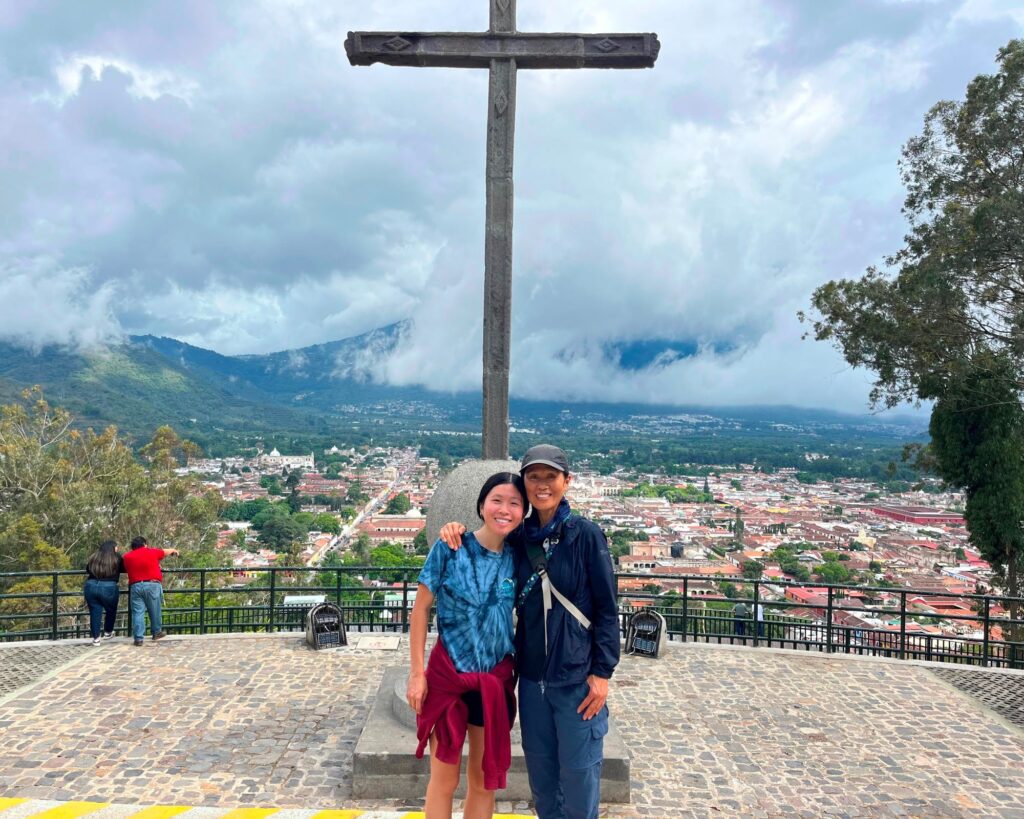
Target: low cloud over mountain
[{"x": 219, "y": 174}]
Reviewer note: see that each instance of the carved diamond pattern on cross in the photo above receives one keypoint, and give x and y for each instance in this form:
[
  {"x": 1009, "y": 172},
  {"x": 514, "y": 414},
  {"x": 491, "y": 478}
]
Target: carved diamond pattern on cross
[
  {"x": 397, "y": 44},
  {"x": 501, "y": 103},
  {"x": 607, "y": 46}
]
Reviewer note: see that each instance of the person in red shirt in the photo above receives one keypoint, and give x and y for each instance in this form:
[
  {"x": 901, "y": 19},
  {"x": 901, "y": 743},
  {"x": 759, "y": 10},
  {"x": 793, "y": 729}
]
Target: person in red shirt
[{"x": 145, "y": 587}]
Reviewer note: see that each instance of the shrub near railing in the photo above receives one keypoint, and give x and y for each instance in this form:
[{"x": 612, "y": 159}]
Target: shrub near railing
[{"x": 212, "y": 601}]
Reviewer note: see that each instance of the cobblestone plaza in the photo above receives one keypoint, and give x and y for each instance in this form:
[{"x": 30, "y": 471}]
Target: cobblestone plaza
[{"x": 250, "y": 721}]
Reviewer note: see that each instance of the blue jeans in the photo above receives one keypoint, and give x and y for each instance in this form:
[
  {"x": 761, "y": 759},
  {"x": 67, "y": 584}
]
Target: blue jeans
[
  {"x": 146, "y": 596},
  {"x": 101, "y": 597},
  {"x": 564, "y": 753}
]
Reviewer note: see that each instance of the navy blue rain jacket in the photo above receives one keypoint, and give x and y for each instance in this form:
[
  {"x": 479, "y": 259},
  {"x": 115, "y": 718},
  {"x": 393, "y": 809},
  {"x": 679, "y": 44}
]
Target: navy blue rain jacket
[{"x": 581, "y": 569}]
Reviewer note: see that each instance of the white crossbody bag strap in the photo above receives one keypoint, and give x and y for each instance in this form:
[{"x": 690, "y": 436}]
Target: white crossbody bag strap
[{"x": 548, "y": 589}]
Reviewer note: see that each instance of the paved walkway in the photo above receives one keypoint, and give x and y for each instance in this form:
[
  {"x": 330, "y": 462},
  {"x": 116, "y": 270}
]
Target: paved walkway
[{"x": 262, "y": 721}]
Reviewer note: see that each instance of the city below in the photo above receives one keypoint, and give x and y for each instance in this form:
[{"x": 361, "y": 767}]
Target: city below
[{"x": 708, "y": 535}]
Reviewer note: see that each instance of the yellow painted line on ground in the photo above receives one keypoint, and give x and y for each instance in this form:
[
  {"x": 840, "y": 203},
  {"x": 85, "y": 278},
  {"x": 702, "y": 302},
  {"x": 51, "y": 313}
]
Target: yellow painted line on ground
[
  {"x": 161, "y": 811},
  {"x": 70, "y": 810},
  {"x": 248, "y": 813},
  {"x": 73, "y": 810}
]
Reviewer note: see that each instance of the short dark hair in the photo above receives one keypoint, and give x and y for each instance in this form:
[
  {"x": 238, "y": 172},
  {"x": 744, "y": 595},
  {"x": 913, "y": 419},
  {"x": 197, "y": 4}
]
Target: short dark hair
[
  {"x": 138, "y": 541},
  {"x": 500, "y": 479}
]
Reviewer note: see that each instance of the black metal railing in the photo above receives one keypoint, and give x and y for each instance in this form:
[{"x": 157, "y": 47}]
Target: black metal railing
[
  {"x": 865, "y": 620},
  {"x": 887, "y": 622}
]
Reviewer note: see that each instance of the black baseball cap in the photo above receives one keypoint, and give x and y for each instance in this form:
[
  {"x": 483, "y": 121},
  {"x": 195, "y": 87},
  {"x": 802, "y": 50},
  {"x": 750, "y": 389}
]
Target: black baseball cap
[{"x": 547, "y": 455}]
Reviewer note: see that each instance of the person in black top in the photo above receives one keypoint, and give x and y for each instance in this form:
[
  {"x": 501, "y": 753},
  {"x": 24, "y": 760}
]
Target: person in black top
[{"x": 103, "y": 570}]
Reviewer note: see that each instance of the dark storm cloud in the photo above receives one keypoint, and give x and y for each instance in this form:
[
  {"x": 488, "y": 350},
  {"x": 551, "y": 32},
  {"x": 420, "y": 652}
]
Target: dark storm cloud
[{"x": 219, "y": 173}]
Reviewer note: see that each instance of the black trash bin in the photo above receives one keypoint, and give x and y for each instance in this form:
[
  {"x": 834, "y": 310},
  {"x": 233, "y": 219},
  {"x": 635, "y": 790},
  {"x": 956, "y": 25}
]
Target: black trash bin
[
  {"x": 325, "y": 627},
  {"x": 646, "y": 633}
]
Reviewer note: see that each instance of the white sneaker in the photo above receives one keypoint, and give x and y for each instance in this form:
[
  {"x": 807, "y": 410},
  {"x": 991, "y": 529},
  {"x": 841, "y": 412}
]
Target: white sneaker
[
  {"x": 109, "y": 635},
  {"x": 96, "y": 642}
]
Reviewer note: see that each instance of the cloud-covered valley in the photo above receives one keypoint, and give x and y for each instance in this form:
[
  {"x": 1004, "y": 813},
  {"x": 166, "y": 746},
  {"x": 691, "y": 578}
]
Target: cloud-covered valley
[{"x": 218, "y": 173}]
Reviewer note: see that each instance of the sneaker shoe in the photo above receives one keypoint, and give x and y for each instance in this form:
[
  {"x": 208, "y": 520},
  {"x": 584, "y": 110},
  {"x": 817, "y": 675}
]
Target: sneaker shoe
[
  {"x": 96, "y": 642},
  {"x": 108, "y": 635},
  {"x": 139, "y": 641},
  {"x": 160, "y": 635}
]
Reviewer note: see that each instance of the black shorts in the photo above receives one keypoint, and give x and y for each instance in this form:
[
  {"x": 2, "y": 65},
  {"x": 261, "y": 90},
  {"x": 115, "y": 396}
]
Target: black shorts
[{"x": 476, "y": 708}]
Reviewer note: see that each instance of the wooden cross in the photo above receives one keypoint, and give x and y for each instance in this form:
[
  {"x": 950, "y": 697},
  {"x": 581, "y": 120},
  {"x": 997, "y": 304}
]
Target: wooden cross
[{"x": 502, "y": 50}]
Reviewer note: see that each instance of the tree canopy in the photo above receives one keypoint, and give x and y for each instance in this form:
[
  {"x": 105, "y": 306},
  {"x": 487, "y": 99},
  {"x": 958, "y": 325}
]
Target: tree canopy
[
  {"x": 73, "y": 488},
  {"x": 64, "y": 490},
  {"x": 281, "y": 532},
  {"x": 945, "y": 320},
  {"x": 977, "y": 443},
  {"x": 398, "y": 505},
  {"x": 955, "y": 290}
]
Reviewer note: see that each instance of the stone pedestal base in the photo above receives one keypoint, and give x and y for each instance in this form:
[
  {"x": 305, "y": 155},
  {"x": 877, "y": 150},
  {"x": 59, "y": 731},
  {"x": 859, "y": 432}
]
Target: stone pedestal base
[{"x": 385, "y": 765}]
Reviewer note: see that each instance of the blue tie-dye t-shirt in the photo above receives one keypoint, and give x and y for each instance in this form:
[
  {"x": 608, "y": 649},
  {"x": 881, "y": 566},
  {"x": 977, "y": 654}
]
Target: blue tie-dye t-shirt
[{"x": 474, "y": 590}]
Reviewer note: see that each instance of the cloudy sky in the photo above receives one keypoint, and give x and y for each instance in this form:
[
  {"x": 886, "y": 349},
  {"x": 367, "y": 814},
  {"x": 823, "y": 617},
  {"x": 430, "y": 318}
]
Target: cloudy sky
[{"x": 217, "y": 172}]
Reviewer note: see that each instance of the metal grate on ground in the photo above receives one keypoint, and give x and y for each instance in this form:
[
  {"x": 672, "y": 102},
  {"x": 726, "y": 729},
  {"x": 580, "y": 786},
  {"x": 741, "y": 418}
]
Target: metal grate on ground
[
  {"x": 999, "y": 691},
  {"x": 23, "y": 665}
]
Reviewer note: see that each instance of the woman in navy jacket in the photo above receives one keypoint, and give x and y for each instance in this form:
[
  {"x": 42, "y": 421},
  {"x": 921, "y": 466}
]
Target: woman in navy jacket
[{"x": 563, "y": 665}]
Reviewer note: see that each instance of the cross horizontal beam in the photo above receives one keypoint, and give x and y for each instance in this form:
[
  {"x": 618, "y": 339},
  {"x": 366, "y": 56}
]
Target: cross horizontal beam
[{"x": 469, "y": 50}]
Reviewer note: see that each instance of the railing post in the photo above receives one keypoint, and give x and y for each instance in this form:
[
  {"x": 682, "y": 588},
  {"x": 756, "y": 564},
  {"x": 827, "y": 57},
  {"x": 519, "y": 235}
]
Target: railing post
[
  {"x": 202, "y": 601},
  {"x": 828, "y": 621},
  {"x": 757, "y": 624},
  {"x": 231, "y": 620},
  {"x": 686, "y": 605},
  {"x": 337, "y": 587},
  {"x": 273, "y": 591},
  {"x": 405, "y": 602},
  {"x": 54, "y": 587},
  {"x": 903, "y": 625},
  {"x": 984, "y": 633}
]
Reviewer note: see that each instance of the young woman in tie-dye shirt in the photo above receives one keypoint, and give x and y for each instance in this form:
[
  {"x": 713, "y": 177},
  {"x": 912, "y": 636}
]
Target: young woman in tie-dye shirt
[{"x": 474, "y": 588}]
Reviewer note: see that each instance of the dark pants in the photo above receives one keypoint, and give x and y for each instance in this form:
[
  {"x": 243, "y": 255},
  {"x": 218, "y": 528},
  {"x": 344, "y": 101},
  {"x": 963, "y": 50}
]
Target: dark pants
[
  {"x": 101, "y": 596},
  {"x": 740, "y": 626},
  {"x": 564, "y": 753}
]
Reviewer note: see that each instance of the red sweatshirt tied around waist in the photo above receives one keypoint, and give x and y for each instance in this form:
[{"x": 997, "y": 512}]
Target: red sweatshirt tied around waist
[{"x": 445, "y": 714}]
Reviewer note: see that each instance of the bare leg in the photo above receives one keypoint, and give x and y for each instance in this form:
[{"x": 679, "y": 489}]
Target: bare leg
[
  {"x": 479, "y": 800},
  {"x": 444, "y": 779}
]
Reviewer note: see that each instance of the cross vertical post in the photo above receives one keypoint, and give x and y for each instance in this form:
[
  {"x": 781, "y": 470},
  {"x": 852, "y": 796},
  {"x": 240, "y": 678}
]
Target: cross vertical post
[{"x": 501, "y": 128}]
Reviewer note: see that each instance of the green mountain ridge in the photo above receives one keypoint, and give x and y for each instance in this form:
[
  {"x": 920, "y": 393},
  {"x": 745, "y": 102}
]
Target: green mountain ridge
[
  {"x": 327, "y": 389},
  {"x": 134, "y": 387}
]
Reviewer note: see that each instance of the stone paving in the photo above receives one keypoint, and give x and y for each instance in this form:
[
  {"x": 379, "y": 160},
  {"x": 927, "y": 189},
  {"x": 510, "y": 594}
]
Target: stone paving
[{"x": 714, "y": 731}]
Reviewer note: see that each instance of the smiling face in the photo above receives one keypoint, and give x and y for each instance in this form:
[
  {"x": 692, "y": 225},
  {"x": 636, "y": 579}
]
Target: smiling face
[
  {"x": 545, "y": 488},
  {"x": 503, "y": 509}
]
